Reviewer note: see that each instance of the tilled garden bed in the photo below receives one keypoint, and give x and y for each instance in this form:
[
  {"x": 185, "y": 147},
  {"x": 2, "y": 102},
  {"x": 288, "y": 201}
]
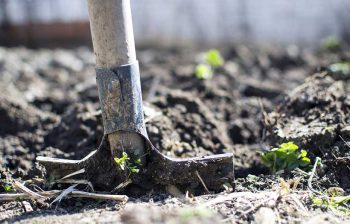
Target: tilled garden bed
[{"x": 260, "y": 98}]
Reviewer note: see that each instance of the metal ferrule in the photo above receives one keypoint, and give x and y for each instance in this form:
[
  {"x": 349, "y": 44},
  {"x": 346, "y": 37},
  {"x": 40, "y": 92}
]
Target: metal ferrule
[{"x": 121, "y": 98}]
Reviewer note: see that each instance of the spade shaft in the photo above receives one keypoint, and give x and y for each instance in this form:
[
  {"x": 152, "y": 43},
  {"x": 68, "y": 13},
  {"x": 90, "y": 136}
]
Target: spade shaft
[
  {"x": 113, "y": 43},
  {"x": 112, "y": 32}
]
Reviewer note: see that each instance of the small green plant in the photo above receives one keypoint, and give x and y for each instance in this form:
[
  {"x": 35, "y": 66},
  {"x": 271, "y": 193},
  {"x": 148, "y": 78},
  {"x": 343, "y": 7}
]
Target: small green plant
[
  {"x": 204, "y": 71},
  {"x": 333, "y": 203},
  {"x": 211, "y": 59},
  {"x": 214, "y": 58},
  {"x": 331, "y": 43},
  {"x": 134, "y": 167},
  {"x": 8, "y": 187},
  {"x": 340, "y": 67},
  {"x": 131, "y": 164},
  {"x": 286, "y": 157},
  {"x": 121, "y": 162}
]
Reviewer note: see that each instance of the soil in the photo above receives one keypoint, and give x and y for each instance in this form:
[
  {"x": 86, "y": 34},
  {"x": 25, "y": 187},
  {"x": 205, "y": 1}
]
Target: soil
[{"x": 261, "y": 97}]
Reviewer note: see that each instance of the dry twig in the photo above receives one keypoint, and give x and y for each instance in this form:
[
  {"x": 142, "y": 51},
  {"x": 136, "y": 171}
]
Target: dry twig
[
  {"x": 20, "y": 187},
  {"x": 83, "y": 194},
  {"x": 73, "y": 181},
  {"x": 201, "y": 180},
  {"x": 345, "y": 142},
  {"x": 309, "y": 182},
  {"x": 14, "y": 197},
  {"x": 55, "y": 193},
  {"x": 64, "y": 194}
]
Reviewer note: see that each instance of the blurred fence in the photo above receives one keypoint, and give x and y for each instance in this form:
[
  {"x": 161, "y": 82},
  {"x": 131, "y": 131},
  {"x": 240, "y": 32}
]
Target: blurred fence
[{"x": 180, "y": 21}]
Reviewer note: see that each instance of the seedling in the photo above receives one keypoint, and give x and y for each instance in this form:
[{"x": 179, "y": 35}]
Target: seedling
[
  {"x": 333, "y": 203},
  {"x": 204, "y": 71},
  {"x": 214, "y": 58},
  {"x": 7, "y": 187},
  {"x": 125, "y": 162},
  {"x": 121, "y": 162},
  {"x": 286, "y": 157},
  {"x": 211, "y": 59}
]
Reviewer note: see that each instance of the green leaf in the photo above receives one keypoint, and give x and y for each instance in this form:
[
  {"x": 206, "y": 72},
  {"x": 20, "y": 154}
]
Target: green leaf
[
  {"x": 292, "y": 156},
  {"x": 7, "y": 187},
  {"x": 292, "y": 146},
  {"x": 265, "y": 159},
  {"x": 292, "y": 165},
  {"x": 289, "y": 146},
  {"x": 286, "y": 157},
  {"x": 213, "y": 58},
  {"x": 134, "y": 169},
  {"x": 281, "y": 153},
  {"x": 204, "y": 71},
  {"x": 121, "y": 162},
  {"x": 137, "y": 161},
  {"x": 304, "y": 161},
  {"x": 268, "y": 159},
  {"x": 281, "y": 164},
  {"x": 303, "y": 153},
  {"x": 318, "y": 201},
  {"x": 343, "y": 200}
]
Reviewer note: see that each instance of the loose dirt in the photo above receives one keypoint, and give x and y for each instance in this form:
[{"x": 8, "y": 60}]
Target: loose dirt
[{"x": 261, "y": 97}]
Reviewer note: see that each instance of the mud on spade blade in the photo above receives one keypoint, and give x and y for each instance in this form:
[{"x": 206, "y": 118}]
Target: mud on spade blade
[{"x": 121, "y": 86}]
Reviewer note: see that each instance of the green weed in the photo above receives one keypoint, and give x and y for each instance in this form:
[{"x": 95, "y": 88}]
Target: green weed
[
  {"x": 212, "y": 59},
  {"x": 127, "y": 163},
  {"x": 121, "y": 162},
  {"x": 8, "y": 187},
  {"x": 333, "y": 203},
  {"x": 204, "y": 71},
  {"x": 286, "y": 157}
]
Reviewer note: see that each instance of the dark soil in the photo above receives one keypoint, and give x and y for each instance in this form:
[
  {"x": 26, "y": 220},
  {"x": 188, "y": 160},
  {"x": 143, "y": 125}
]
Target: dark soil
[{"x": 257, "y": 100}]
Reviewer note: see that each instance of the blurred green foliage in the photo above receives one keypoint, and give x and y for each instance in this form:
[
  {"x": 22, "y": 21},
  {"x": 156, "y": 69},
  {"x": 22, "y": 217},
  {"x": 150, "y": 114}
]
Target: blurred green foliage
[
  {"x": 331, "y": 43},
  {"x": 212, "y": 59},
  {"x": 286, "y": 157},
  {"x": 7, "y": 187},
  {"x": 125, "y": 162},
  {"x": 342, "y": 67},
  {"x": 204, "y": 71}
]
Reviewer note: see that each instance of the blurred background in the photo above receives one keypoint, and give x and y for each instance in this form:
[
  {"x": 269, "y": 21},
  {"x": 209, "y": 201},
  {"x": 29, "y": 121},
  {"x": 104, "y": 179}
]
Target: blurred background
[{"x": 38, "y": 23}]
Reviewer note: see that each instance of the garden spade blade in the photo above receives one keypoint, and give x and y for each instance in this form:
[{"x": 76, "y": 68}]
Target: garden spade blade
[
  {"x": 118, "y": 81},
  {"x": 103, "y": 173}
]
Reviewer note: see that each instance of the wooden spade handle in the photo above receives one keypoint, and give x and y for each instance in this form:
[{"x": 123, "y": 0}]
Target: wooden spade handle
[
  {"x": 112, "y": 32},
  {"x": 113, "y": 42}
]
